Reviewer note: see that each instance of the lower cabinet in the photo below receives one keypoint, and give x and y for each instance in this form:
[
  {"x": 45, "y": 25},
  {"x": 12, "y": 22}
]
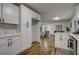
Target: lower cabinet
[
  {"x": 77, "y": 47},
  {"x": 4, "y": 50},
  {"x": 61, "y": 40},
  {"x": 10, "y": 46},
  {"x": 4, "y": 46},
  {"x": 16, "y": 45}
]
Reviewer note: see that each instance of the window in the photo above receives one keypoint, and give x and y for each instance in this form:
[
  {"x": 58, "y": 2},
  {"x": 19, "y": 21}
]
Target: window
[{"x": 58, "y": 27}]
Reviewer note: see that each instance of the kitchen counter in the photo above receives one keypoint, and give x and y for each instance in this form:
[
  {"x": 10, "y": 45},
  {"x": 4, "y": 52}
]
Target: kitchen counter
[
  {"x": 76, "y": 36},
  {"x": 61, "y": 40},
  {"x": 9, "y": 35}
]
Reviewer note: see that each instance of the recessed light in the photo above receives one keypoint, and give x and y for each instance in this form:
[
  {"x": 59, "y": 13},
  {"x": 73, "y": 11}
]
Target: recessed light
[{"x": 56, "y": 18}]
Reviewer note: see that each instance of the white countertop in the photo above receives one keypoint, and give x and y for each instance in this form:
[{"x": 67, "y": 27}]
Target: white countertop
[
  {"x": 76, "y": 36},
  {"x": 9, "y": 35}
]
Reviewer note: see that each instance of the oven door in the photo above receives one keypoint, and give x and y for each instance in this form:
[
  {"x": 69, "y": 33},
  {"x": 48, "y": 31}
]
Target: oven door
[{"x": 72, "y": 43}]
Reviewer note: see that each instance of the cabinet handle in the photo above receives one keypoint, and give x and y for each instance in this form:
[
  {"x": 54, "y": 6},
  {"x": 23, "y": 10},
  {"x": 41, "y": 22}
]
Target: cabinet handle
[
  {"x": 0, "y": 19},
  {"x": 8, "y": 44},
  {"x": 11, "y": 43},
  {"x": 3, "y": 20}
]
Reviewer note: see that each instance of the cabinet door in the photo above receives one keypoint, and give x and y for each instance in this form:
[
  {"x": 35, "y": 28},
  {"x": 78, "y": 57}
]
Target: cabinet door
[
  {"x": 61, "y": 40},
  {"x": 57, "y": 41},
  {"x": 3, "y": 47},
  {"x": 10, "y": 13},
  {"x": 16, "y": 45},
  {"x": 25, "y": 27},
  {"x": 77, "y": 11},
  {"x": 4, "y": 50},
  {"x": 0, "y": 12},
  {"x": 77, "y": 47}
]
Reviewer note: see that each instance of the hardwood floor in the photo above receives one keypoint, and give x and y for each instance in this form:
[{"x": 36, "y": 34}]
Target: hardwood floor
[
  {"x": 45, "y": 47},
  {"x": 37, "y": 49},
  {"x": 33, "y": 50}
]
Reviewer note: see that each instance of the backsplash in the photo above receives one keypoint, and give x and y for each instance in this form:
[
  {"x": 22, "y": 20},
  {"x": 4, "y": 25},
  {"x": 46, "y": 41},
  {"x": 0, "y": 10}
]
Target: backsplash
[{"x": 8, "y": 29}]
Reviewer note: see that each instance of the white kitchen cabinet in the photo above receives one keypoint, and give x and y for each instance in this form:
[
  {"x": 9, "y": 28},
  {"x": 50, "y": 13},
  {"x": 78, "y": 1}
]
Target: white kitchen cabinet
[
  {"x": 4, "y": 50},
  {"x": 77, "y": 11},
  {"x": 10, "y": 45},
  {"x": 27, "y": 33},
  {"x": 4, "y": 47},
  {"x": 10, "y": 13},
  {"x": 26, "y": 25},
  {"x": 77, "y": 47},
  {"x": 61, "y": 40},
  {"x": 0, "y": 12},
  {"x": 35, "y": 15},
  {"x": 16, "y": 46}
]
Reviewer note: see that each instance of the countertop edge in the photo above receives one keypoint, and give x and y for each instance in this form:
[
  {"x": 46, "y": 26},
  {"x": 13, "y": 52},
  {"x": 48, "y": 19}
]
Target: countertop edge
[
  {"x": 4, "y": 36},
  {"x": 75, "y": 36}
]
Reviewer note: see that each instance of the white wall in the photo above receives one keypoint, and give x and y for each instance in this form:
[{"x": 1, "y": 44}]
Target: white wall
[{"x": 51, "y": 26}]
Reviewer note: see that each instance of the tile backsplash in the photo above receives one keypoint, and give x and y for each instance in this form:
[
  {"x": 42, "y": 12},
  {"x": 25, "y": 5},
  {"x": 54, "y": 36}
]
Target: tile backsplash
[{"x": 8, "y": 29}]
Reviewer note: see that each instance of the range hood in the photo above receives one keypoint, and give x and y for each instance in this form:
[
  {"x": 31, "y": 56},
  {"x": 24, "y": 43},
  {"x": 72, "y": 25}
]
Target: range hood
[{"x": 35, "y": 21}]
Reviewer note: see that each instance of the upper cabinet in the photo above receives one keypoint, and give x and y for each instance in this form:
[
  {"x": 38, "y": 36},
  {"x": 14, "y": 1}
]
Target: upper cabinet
[
  {"x": 0, "y": 12},
  {"x": 77, "y": 11},
  {"x": 10, "y": 13},
  {"x": 35, "y": 15}
]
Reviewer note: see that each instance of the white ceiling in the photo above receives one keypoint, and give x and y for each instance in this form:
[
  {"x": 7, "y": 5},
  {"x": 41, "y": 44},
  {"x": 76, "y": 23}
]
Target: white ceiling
[{"x": 50, "y": 10}]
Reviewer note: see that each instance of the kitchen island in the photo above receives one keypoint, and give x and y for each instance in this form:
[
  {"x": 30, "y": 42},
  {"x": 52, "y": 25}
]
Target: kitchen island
[{"x": 61, "y": 40}]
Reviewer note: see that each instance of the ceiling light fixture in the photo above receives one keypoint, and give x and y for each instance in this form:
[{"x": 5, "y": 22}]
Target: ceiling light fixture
[{"x": 56, "y": 18}]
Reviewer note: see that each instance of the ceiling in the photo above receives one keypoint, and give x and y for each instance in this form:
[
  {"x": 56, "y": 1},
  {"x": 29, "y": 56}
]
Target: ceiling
[{"x": 50, "y": 10}]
